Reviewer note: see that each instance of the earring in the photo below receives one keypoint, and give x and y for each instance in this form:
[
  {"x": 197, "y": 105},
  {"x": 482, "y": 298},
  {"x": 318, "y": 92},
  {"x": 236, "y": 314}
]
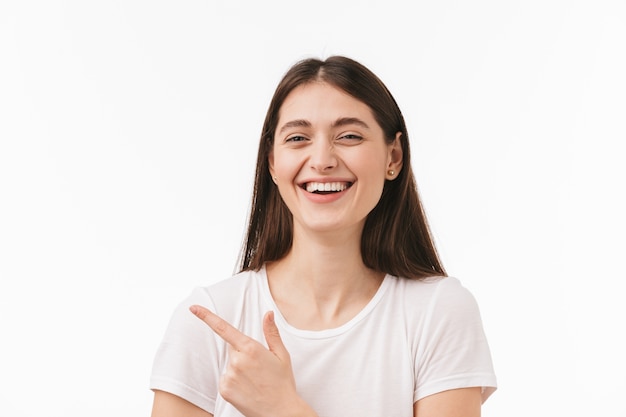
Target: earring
[
  {"x": 391, "y": 172},
  {"x": 275, "y": 179}
]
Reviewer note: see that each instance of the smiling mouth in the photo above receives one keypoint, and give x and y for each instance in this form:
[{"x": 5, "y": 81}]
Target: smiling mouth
[{"x": 326, "y": 187}]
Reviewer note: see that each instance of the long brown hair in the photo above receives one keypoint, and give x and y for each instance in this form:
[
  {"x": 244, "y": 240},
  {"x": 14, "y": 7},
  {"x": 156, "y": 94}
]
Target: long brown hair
[{"x": 396, "y": 238}]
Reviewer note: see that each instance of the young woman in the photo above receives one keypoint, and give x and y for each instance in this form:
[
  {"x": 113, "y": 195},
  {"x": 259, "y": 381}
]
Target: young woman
[{"x": 342, "y": 307}]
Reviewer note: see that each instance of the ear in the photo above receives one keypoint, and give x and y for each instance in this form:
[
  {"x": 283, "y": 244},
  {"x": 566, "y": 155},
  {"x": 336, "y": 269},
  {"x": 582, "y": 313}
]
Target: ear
[
  {"x": 270, "y": 161},
  {"x": 394, "y": 157}
]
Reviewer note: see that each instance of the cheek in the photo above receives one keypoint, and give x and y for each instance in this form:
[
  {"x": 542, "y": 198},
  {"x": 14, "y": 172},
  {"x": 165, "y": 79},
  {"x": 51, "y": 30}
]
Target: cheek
[
  {"x": 372, "y": 164},
  {"x": 283, "y": 165},
  {"x": 375, "y": 170}
]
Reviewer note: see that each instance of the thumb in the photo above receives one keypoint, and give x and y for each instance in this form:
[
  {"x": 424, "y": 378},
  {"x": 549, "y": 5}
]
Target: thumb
[{"x": 272, "y": 337}]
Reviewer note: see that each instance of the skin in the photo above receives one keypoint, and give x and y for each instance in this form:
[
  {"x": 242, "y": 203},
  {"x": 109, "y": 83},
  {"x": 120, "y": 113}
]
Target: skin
[{"x": 323, "y": 135}]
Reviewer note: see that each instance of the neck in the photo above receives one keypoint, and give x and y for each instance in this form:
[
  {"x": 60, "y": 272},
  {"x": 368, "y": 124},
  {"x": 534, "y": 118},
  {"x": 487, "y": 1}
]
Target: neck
[{"x": 322, "y": 282}]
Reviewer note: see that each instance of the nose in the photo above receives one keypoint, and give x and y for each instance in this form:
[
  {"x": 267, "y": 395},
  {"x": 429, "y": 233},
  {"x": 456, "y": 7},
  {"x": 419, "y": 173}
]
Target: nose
[{"x": 323, "y": 156}]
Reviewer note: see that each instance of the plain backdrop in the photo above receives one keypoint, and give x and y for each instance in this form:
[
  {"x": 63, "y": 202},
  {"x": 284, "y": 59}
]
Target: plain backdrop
[{"x": 128, "y": 138}]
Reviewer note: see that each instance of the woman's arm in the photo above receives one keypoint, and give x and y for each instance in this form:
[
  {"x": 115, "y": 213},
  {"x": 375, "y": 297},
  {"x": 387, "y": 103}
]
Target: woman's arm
[
  {"x": 463, "y": 402},
  {"x": 169, "y": 405}
]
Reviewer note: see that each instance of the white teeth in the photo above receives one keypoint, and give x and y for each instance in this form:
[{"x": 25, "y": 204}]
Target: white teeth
[{"x": 326, "y": 186}]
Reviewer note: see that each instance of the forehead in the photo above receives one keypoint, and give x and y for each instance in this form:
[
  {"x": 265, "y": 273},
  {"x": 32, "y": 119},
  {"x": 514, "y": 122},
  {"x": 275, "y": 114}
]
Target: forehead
[{"x": 321, "y": 102}]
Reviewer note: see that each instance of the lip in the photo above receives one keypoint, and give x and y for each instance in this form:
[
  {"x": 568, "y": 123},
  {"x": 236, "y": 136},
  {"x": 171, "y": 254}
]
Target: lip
[
  {"x": 325, "y": 198},
  {"x": 325, "y": 180}
]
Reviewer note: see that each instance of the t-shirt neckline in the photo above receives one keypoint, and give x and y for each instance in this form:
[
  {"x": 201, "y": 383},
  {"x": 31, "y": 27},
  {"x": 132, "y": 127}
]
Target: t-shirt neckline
[{"x": 326, "y": 333}]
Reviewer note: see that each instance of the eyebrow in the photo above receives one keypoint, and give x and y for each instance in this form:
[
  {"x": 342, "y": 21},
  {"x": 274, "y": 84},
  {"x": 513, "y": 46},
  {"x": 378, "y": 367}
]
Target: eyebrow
[
  {"x": 342, "y": 121},
  {"x": 295, "y": 123}
]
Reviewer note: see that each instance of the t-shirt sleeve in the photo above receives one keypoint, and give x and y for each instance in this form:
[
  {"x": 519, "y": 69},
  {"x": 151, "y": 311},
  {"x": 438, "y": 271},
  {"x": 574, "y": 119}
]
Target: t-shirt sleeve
[
  {"x": 187, "y": 362},
  {"x": 453, "y": 351}
]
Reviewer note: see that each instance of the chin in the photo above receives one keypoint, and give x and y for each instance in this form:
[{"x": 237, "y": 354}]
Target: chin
[{"x": 324, "y": 226}]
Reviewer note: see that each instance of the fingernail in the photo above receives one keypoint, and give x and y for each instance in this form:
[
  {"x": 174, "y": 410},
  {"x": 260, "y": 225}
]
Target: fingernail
[{"x": 194, "y": 310}]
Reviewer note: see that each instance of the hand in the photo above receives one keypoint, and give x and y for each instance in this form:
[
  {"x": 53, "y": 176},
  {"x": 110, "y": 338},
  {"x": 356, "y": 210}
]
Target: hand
[{"x": 258, "y": 382}]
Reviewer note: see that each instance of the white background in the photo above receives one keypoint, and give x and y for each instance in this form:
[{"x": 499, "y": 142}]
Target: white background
[{"x": 128, "y": 137}]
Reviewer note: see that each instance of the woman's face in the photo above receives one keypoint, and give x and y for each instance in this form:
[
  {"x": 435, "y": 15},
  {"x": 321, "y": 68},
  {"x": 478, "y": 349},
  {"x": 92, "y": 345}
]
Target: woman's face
[{"x": 330, "y": 159}]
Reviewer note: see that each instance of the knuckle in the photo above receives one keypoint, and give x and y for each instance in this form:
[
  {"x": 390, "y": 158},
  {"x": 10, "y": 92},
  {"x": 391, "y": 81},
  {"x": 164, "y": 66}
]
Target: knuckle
[
  {"x": 249, "y": 347},
  {"x": 235, "y": 363},
  {"x": 227, "y": 387},
  {"x": 220, "y": 326}
]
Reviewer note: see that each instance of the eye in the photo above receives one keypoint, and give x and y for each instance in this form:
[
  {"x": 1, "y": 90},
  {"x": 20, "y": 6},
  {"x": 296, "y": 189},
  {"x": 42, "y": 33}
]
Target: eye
[
  {"x": 295, "y": 139},
  {"x": 351, "y": 137}
]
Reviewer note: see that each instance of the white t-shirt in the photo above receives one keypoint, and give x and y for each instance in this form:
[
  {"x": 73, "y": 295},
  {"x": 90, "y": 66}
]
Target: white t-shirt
[{"x": 413, "y": 339}]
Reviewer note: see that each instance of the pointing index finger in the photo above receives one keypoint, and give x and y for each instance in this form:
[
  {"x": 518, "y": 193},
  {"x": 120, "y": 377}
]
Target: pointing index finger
[{"x": 221, "y": 327}]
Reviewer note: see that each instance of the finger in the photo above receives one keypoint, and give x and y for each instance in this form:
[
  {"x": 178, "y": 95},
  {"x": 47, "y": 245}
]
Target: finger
[
  {"x": 221, "y": 327},
  {"x": 272, "y": 336}
]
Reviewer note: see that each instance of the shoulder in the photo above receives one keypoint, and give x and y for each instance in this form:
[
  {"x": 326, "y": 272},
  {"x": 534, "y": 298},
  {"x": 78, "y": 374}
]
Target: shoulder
[
  {"x": 447, "y": 291},
  {"x": 434, "y": 301},
  {"x": 448, "y": 308},
  {"x": 455, "y": 302},
  {"x": 220, "y": 296},
  {"x": 227, "y": 298},
  {"x": 451, "y": 293},
  {"x": 228, "y": 290}
]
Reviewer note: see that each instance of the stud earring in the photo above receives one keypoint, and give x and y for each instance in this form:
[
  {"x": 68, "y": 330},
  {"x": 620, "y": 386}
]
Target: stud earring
[
  {"x": 391, "y": 172},
  {"x": 275, "y": 179}
]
